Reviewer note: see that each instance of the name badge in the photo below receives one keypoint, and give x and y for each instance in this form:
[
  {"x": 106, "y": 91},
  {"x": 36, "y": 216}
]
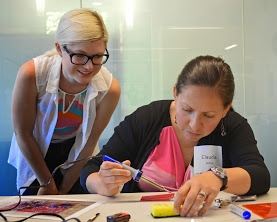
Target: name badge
[{"x": 205, "y": 157}]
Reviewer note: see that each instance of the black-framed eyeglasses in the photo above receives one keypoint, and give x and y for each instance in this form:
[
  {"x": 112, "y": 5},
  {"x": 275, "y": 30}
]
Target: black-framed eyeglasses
[{"x": 81, "y": 59}]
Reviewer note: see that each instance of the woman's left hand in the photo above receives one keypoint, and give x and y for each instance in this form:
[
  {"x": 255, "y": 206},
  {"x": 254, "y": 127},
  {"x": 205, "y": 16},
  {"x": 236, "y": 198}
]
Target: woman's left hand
[{"x": 198, "y": 192}]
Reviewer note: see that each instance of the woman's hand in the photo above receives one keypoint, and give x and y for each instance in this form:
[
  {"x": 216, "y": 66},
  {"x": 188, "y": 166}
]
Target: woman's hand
[
  {"x": 188, "y": 195},
  {"x": 112, "y": 176}
]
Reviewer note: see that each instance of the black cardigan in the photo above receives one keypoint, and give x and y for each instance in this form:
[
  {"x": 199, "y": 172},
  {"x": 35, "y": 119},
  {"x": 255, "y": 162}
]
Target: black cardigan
[{"x": 139, "y": 133}]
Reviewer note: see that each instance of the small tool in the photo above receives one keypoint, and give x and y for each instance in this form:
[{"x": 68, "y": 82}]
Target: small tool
[
  {"x": 137, "y": 174},
  {"x": 92, "y": 219}
]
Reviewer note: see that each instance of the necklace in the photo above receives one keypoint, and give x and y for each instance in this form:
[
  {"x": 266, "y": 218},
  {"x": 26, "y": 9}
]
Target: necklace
[{"x": 69, "y": 99}]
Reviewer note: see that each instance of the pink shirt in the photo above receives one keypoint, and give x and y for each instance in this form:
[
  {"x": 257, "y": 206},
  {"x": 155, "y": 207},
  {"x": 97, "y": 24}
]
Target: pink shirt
[{"x": 165, "y": 164}]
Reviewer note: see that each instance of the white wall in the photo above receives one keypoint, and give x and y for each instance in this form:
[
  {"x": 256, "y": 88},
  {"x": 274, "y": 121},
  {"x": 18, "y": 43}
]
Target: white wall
[{"x": 260, "y": 31}]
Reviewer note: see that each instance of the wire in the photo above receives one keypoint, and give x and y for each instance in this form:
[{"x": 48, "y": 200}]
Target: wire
[
  {"x": 41, "y": 214},
  {"x": 53, "y": 173},
  {"x": 43, "y": 185}
]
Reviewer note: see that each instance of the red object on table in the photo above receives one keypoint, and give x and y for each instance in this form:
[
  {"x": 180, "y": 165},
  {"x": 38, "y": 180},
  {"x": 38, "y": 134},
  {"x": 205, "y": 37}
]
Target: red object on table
[
  {"x": 264, "y": 210},
  {"x": 161, "y": 197}
]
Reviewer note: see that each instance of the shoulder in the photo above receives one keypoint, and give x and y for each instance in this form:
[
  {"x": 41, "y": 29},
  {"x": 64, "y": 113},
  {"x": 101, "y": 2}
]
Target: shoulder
[
  {"x": 45, "y": 66},
  {"x": 46, "y": 61},
  {"x": 115, "y": 89},
  {"x": 238, "y": 127},
  {"x": 36, "y": 66},
  {"x": 112, "y": 96},
  {"x": 102, "y": 81},
  {"x": 234, "y": 120},
  {"x": 106, "y": 75},
  {"x": 156, "y": 111},
  {"x": 104, "y": 71},
  {"x": 156, "y": 106},
  {"x": 25, "y": 84},
  {"x": 27, "y": 71}
]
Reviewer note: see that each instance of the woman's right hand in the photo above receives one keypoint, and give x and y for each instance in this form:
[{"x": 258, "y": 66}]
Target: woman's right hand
[
  {"x": 50, "y": 189},
  {"x": 112, "y": 176}
]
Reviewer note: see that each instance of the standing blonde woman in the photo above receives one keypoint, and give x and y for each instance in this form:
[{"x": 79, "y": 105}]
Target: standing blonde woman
[{"x": 61, "y": 104}]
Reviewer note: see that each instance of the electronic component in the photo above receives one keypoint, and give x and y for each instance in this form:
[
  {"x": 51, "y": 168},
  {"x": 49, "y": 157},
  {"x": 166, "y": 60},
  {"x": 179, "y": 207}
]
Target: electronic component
[
  {"x": 221, "y": 203},
  {"x": 237, "y": 198}
]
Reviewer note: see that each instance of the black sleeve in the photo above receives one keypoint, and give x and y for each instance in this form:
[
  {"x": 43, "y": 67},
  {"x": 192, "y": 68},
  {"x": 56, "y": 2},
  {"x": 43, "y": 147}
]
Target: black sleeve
[
  {"x": 121, "y": 146},
  {"x": 133, "y": 139},
  {"x": 244, "y": 153}
]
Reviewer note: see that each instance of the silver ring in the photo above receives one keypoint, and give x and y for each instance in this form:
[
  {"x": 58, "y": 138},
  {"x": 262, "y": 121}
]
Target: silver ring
[{"x": 202, "y": 193}]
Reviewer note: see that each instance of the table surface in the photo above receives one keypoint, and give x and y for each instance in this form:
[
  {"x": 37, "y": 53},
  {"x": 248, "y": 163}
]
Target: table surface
[{"x": 140, "y": 210}]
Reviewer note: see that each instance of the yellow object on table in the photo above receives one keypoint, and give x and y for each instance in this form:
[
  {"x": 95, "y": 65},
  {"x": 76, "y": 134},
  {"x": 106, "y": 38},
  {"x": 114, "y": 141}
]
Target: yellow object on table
[{"x": 163, "y": 210}]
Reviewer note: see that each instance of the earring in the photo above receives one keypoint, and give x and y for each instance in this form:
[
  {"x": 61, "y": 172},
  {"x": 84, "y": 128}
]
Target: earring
[
  {"x": 223, "y": 133},
  {"x": 175, "y": 119}
]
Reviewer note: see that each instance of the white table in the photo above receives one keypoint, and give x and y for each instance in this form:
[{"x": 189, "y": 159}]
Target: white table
[{"x": 140, "y": 210}]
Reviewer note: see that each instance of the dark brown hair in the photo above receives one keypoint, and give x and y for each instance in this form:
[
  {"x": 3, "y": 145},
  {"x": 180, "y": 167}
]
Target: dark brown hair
[{"x": 208, "y": 71}]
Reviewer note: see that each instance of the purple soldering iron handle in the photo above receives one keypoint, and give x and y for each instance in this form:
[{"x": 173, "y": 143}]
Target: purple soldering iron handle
[{"x": 136, "y": 174}]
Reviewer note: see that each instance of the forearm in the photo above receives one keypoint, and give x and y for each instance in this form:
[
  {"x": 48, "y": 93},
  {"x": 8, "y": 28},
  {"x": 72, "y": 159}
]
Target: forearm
[
  {"x": 70, "y": 177},
  {"x": 260, "y": 178},
  {"x": 239, "y": 181},
  {"x": 34, "y": 157},
  {"x": 73, "y": 173}
]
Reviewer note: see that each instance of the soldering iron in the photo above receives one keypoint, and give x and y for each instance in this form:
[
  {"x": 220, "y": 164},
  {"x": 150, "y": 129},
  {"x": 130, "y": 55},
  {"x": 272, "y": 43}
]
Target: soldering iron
[{"x": 137, "y": 174}]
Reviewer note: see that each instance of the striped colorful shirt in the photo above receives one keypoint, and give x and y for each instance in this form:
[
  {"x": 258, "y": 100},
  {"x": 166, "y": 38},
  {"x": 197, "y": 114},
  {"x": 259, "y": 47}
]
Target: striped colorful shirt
[{"x": 69, "y": 120}]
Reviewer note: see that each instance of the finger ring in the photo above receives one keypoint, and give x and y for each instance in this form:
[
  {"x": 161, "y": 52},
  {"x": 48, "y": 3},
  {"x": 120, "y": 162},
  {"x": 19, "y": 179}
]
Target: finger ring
[{"x": 202, "y": 193}]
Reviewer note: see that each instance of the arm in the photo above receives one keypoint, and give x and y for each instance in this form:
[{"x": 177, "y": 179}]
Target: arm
[
  {"x": 133, "y": 139},
  {"x": 244, "y": 153},
  {"x": 23, "y": 119},
  {"x": 246, "y": 168},
  {"x": 104, "y": 112},
  {"x": 239, "y": 182},
  {"x": 121, "y": 146},
  {"x": 105, "y": 177}
]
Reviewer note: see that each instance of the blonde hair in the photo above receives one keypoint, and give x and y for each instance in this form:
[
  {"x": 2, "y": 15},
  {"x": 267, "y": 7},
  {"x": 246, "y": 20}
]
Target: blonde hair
[
  {"x": 81, "y": 25},
  {"x": 51, "y": 52}
]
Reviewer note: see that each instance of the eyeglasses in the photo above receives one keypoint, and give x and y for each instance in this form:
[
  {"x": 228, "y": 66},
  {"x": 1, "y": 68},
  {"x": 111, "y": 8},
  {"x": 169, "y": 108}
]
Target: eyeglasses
[{"x": 81, "y": 59}]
